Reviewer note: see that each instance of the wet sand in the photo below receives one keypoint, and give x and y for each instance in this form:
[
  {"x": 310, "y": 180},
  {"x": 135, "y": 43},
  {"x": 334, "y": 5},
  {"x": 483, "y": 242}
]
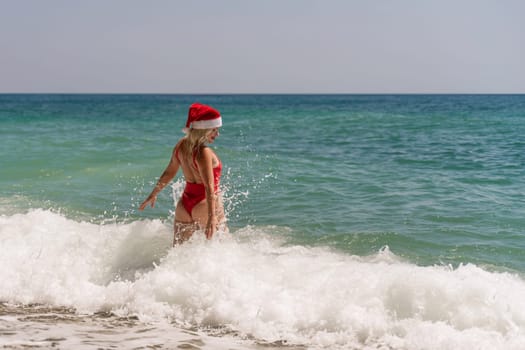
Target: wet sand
[{"x": 42, "y": 327}]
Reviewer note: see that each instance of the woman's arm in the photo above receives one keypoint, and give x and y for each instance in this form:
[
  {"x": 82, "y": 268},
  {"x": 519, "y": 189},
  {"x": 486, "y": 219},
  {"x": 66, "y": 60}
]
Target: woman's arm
[
  {"x": 205, "y": 163},
  {"x": 168, "y": 174}
]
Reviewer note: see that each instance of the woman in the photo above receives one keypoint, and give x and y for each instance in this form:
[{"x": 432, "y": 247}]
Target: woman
[{"x": 201, "y": 204}]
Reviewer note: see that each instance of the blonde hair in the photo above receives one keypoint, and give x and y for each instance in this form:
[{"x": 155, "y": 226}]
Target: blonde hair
[{"x": 194, "y": 140}]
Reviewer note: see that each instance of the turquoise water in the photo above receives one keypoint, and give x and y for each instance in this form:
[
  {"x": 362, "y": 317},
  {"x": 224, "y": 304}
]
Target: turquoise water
[
  {"x": 358, "y": 222},
  {"x": 437, "y": 179}
]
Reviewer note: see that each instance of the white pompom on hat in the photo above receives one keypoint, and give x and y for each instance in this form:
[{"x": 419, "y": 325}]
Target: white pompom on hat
[{"x": 201, "y": 116}]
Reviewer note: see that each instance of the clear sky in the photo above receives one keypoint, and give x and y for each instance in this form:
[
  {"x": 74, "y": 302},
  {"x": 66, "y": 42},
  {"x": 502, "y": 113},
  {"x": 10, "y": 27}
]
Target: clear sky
[{"x": 265, "y": 46}]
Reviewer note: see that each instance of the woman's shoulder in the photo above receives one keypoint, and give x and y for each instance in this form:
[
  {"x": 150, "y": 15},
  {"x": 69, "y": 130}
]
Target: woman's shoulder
[
  {"x": 204, "y": 153},
  {"x": 182, "y": 144},
  {"x": 208, "y": 151},
  {"x": 178, "y": 148},
  {"x": 179, "y": 143}
]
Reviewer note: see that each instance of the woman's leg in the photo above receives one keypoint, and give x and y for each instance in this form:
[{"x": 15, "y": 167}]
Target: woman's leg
[
  {"x": 200, "y": 214},
  {"x": 184, "y": 225}
]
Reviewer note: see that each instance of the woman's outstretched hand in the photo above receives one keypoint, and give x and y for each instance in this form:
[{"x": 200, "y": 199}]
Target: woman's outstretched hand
[{"x": 150, "y": 200}]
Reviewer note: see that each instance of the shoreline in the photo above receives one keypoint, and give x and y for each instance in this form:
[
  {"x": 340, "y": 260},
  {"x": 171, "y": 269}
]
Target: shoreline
[{"x": 39, "y": 326}]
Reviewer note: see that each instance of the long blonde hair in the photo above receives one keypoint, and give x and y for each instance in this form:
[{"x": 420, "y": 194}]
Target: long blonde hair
[{"x": 194, "y": 141}]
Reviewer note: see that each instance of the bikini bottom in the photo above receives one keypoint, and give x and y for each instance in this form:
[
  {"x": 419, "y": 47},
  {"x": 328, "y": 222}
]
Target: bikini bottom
[{"x": 193, "y": 194}]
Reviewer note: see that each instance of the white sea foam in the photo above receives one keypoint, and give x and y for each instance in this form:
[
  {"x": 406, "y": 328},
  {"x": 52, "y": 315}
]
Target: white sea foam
[{"x": 253, "y": 284}]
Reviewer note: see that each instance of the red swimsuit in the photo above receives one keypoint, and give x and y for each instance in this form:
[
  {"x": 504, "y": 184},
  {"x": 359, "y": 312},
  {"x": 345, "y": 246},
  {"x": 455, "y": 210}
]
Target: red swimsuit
[{"x": 194, "y": 193}]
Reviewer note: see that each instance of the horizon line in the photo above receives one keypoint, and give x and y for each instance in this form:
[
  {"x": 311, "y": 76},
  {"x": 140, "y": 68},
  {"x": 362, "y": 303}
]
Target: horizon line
[{"x": 261, "y": 93}]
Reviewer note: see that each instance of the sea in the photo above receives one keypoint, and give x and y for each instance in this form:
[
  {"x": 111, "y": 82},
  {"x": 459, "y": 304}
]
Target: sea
[{"x": 362, "y": 222}]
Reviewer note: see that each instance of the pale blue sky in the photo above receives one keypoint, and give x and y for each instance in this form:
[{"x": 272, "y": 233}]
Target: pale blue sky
[{"x": 271, "y": 46}]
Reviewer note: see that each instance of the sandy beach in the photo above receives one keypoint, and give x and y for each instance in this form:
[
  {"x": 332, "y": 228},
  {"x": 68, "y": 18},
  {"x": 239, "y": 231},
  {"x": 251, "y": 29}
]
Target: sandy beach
[{"x": 42, "y": 327}]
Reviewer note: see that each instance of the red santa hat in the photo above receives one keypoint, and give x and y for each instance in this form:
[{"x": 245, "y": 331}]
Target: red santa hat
[{"x": 202, "y": 117}]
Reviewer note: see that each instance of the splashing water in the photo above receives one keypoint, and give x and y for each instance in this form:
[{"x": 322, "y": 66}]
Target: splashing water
[{"x": 256, "y": 285}]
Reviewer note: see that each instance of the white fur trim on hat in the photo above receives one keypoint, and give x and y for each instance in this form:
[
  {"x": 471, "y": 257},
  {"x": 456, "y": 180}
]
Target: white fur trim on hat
[{"x": 207, "y": 124}]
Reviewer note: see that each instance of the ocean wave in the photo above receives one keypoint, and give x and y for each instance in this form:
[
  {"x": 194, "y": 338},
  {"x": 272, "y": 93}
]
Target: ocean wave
[{"x": 254, "y": 284}]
